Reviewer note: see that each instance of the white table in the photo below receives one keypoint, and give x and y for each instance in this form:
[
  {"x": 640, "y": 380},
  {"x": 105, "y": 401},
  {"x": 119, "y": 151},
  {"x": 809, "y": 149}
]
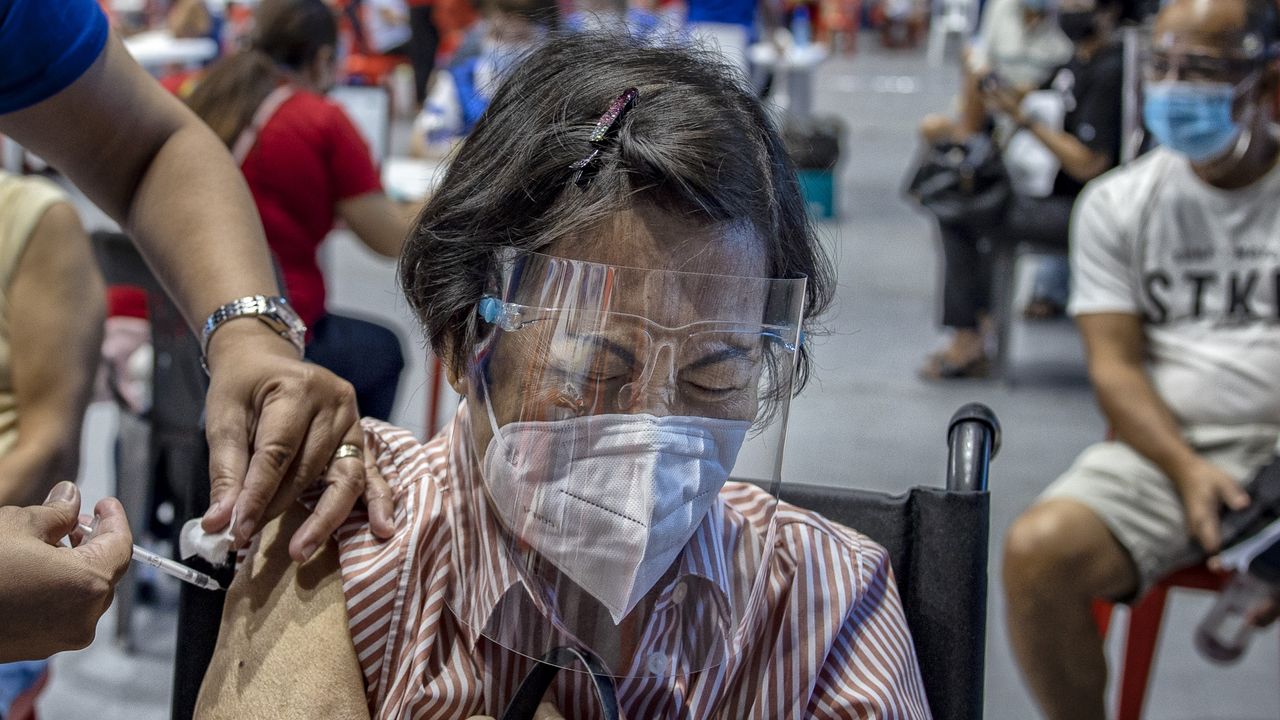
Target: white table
[
  {"x": 156, "y": 50},
  {"x": 411, "y": 179},
  {"x": 793, "y": 73}
]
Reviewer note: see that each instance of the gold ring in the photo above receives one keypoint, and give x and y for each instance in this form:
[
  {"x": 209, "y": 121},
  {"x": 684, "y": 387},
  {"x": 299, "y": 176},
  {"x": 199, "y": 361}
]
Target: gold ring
[{"x": 346, "y": 450}]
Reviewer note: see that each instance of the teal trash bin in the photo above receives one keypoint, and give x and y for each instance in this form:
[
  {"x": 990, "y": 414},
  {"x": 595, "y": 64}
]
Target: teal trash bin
[
  {"x": 819, "y": 190},
  {"x": 814, "y": 146}
]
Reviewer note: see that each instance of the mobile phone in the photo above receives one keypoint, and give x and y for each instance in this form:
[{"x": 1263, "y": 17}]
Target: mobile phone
[{"x": 992, "y": 81}]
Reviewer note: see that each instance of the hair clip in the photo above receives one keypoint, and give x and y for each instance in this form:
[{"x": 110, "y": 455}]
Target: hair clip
[{"x": 606, "y": 126}]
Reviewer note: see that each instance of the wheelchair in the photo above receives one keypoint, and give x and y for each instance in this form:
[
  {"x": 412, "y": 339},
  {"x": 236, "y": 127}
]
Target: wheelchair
[
  {"x": 937, "y": 540},
  {"x": 936, "y": 537}
]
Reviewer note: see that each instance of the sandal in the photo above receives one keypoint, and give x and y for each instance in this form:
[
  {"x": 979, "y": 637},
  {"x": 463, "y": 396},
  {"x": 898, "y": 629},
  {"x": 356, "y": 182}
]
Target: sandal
[
  {"x": 938, "y": 367},
  {"x": 1043, "y": 309}
]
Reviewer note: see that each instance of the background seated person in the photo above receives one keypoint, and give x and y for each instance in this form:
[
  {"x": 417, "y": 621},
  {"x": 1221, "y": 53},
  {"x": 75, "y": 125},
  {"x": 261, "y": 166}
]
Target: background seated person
[
  {"x": 52, "y": 304},
  {"x": 308, "y": 167},
  {"x": 623, "y": 318},
  {"x": 1175, "y": 257},
  {"x": 1020, "y": 45},
  {"x": 508, "y": 30},
  {"x": 1087, "y": 145}
]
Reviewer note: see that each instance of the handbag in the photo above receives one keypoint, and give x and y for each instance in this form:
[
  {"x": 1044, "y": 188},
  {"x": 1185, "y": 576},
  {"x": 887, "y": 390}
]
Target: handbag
[
  {"x": 962, "y": 183},
  {"x": 529, "y": 695}
]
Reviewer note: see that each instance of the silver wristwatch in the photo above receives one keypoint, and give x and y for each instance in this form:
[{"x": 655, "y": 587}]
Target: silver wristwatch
[{"x": 275, "y": 311}]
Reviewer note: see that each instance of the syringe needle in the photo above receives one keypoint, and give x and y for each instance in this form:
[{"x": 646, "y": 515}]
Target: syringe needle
[
  {"x": 165, "y": 565},
  {"x": 176, "y": 569}
]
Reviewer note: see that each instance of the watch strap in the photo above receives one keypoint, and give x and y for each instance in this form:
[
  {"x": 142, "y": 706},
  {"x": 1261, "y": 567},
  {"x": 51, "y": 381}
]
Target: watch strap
[{"x": 273, "y": 310}]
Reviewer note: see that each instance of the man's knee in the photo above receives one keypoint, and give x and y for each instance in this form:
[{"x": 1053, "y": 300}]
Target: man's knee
[
  {"x": 936, "y": 128},
  {"x": 1062, "y": 547}
]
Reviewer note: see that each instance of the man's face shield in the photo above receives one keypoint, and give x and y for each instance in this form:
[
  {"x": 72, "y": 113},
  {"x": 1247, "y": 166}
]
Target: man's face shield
[
  {"x": 608, "y": 406},
  {"x": 1200, "y": 97},
  {"x": 1204, "y": 58}
]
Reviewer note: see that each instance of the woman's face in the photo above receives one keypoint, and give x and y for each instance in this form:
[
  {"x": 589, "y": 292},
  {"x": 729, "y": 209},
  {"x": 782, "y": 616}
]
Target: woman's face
[
  {"x": 323, "y": 71},
  {"x": 633, "y": 362}
]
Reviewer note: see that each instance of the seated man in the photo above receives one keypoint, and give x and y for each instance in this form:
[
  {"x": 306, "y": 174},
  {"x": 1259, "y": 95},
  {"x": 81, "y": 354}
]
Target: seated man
[
  {"x": 621, "y": 308},
  {"x": 1175, "y": 259}
]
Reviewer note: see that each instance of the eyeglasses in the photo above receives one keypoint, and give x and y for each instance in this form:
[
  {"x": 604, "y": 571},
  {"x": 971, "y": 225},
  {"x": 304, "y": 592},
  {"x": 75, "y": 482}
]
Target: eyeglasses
[
  {"x": 1204, "y": 57},
  {"x": 1197, "y": 67},
  {"x": 617, "y": 361}
]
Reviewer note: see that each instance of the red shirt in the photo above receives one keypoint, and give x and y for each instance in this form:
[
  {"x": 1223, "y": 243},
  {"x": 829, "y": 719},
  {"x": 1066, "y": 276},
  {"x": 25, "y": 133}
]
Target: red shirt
[{"x": 307, "y": 158}]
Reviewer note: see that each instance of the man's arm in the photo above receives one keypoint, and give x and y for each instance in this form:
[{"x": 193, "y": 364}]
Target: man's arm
[
  {"x": 1081, "y": 162},
  {"x": 273, "y": 421},
  {"x": 55, "y": 311},
  {"x": 1115, "y": 346},
  {"x": 284, "y": 650}
]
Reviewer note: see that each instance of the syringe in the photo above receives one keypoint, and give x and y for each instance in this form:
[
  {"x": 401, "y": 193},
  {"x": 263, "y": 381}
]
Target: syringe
[{"x": 163, "y": 564}]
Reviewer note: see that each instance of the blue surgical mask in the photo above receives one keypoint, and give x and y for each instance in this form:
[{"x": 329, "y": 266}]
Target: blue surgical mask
[{"x": 1194, "y": 119}]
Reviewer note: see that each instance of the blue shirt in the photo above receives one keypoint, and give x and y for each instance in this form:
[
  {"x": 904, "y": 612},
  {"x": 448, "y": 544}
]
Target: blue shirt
[
  {"x": 44, "y": 46},
  {"x": 736, "y": 12}
]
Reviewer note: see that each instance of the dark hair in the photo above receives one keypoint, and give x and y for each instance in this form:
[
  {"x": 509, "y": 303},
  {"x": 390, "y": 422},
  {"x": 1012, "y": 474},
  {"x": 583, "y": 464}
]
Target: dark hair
[
  {"x": 542, "y": 12},
  {"x": 1262, "y": 18},
  {"x": 697, "y": 143},
  {"x": 288, "y": 35}
]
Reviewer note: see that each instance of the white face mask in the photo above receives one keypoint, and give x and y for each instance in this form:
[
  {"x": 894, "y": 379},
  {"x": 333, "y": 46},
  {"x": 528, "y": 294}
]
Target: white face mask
[{"x": 610, "y": 500}]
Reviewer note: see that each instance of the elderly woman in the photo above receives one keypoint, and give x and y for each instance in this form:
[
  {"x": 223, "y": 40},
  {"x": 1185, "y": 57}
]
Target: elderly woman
[{"x": 620, "y": 299}]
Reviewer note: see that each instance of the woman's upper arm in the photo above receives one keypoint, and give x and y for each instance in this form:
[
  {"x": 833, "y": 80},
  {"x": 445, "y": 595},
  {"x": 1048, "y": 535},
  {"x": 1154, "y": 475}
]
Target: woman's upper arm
[
  {"x": 381, "y": 224},
  {"x": 55, "y": 307},
  {"x": 284, "y": 650},
  {"x": 102, "y": 130}
]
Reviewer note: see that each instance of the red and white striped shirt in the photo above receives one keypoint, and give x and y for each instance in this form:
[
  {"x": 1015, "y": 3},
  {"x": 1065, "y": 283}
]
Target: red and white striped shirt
[{"x": 833, "y": 642}]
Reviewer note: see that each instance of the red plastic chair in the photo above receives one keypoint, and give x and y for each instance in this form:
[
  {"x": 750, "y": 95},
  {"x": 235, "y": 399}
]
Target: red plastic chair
[{"x": 1144, "y": 632}]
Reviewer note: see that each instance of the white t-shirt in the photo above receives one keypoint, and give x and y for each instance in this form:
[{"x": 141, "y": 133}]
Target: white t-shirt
[
  {"x": 1202, "y": 267},
  {"x": 1023, "y": 56}
]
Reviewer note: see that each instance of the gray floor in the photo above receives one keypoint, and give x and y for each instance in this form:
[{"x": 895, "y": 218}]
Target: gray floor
[{"x": 866, "y": 421}]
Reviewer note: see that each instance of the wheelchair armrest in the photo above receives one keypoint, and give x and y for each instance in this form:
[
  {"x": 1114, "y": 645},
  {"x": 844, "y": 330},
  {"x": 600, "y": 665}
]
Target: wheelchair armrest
[{"x": 973, "y": 438}]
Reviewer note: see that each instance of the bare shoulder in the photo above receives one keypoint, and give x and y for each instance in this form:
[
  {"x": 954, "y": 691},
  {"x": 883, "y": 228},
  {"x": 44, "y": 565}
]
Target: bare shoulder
[{"x": 284, "y": 650}]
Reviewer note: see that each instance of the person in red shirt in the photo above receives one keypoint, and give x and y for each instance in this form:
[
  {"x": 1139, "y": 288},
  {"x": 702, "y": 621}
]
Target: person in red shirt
[{"x": 307, "y": 168}]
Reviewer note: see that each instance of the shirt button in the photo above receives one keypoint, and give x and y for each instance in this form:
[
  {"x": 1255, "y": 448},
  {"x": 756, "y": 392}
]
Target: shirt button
[
  {"x": 679, "y": 592},
  {"x": 658, "y": 663}
]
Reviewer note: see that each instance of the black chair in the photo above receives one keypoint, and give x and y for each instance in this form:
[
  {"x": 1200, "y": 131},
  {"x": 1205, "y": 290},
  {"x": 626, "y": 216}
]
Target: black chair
[
  {"x": 937, "y": 543},
  {"x": 178, "y": 455}
]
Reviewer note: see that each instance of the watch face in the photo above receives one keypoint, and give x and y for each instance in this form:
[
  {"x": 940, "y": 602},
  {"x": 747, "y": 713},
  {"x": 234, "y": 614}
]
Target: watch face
[{"x": 291, "y": 319}]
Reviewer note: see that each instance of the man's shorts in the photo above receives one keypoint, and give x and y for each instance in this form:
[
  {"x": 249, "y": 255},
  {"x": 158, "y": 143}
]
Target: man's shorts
[{"x": 1139, "y": 503}]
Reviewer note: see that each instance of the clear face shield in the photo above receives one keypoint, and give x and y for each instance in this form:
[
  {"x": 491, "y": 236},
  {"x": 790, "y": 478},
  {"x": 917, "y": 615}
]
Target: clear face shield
[
  {"x": 1203, "y": 58},
  {"x": 1196, "y": 90},
  {"x": 608, "y": 407}
]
